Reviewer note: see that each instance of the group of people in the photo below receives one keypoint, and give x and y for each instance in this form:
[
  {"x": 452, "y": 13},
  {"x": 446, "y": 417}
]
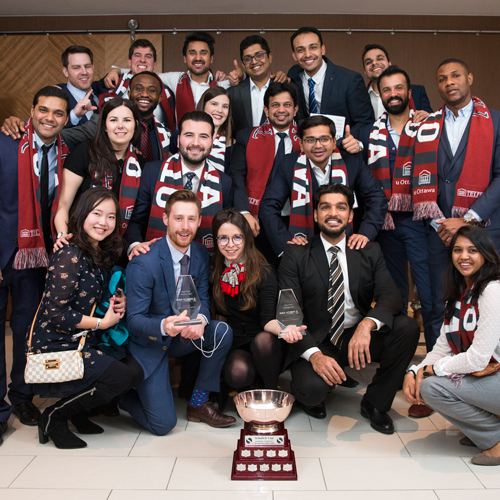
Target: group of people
[{"x": 252, "y": 183}]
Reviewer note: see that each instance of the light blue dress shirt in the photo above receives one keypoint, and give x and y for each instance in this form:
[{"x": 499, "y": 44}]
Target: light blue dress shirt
[{"x": 52, "y": 158}]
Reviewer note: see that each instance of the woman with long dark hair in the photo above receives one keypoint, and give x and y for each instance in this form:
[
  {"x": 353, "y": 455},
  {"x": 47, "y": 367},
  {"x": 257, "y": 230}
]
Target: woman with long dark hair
[
  {"x": 76, "y": 277},
  {"x": 107, "y": 160},
  {"x": 460, "y": 377},
  {"x": 245, "y": 291}
]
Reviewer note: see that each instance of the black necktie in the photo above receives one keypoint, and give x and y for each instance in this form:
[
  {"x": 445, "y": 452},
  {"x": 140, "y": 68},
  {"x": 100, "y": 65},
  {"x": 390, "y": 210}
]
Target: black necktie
[
  {"x": 336, "y": 296},
  {"x": 44, "y": 197},
  {"x": 280, "y": 152},
  {"x": 185, "y": 265},
  {"x": 189, "y": 185}
]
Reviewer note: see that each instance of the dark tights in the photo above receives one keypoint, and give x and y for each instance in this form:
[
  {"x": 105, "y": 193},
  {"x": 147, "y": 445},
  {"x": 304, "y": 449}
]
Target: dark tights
[{"x": 262, "y": 356}]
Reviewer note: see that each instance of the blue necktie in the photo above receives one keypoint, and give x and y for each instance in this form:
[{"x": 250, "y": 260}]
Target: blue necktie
[
  {"x": 189, "y": 182},
  {"x": 313, "y": 105},
  {"x": 280, "y": 152}
]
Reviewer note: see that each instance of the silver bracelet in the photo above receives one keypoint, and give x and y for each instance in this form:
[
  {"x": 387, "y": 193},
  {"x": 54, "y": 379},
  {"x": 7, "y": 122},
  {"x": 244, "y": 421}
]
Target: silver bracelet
[{"x": 98, "y": 325}]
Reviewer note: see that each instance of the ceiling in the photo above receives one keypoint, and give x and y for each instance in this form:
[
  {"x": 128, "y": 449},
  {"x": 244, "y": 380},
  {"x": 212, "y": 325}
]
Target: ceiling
[{"x": 134, "y": 7}]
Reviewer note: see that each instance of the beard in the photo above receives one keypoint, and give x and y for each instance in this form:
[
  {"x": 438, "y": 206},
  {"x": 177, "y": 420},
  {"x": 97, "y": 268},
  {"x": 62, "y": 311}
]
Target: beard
[
  {"x": 396, "y": 109},
  {"x": 190, "y": 159},
  {"x": 332, "y": 232}
]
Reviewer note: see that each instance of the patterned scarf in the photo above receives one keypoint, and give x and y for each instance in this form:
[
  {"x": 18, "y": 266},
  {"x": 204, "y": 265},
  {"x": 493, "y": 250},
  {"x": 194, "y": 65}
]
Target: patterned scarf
[
  {"x": 32, "y": 252},
  {"x": 260, "y": 160},
  {"x": 184, "y": 94},
  {"x": 398, "y": 193},
  {"x": 218, "y": 153},
  {"x": 232, "y": 277},
  {"x": 301, "y": 216},
  {"x": 163, "y": 135},
  {"x": 475, "y": 175},
  {"x": 209, "y": 191}
]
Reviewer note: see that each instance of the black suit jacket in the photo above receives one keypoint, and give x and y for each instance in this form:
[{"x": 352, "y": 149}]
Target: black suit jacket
[
  {"x": 305, "y": 269},
  {"x": 138, "y": 226},
  {"x": 420, "y": 98},
  {"x": 344, "y": 94},
  {"x": 280, "y": 188}
]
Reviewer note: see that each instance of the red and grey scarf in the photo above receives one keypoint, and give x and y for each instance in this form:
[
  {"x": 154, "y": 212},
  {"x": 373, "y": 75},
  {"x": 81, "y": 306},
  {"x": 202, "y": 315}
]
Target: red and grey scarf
[
  {"x": 398, "y": 192},
  {"x": 32, "y": 252},
  {"x": 217, "y": 155},
  {"x": 209, "y": 191},
  {"x": 184, "y": 94},
  {"x": 232, "y": 277},
  {"x": 163, "y": 135},
  {"x": 301, "y": 215},
  {"x": 260, "y": 156},
  {"x": 167, "y": 102},
  {"x": 475, "y": 175}
]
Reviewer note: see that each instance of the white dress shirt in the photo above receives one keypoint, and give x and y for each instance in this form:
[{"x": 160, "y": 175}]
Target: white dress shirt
[
  {"x": 319, "y": 80},
  {"x": 323, "y": 178},
  {"x": 257, "y": 98},
  {"x": 78, "y": 94},
  {"x": 376, "y": 100},
  {"x": 288, "y": 141},
  {"x": 197, "y": 176},
  {"x": 351, "y": 314}
]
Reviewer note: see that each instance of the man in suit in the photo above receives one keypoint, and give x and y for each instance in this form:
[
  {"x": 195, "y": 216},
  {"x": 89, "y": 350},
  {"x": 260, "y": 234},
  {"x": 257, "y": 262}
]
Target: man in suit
[
  {"x": 156, "y": 336},
  {"x": 375, "y": 60},
  {"x": 299, "y": 176},
  {"x": 35, "y": 163},
  {"x": 335, "y": 287},
  {"x": 329, "y": 89},
  {"x": 187, "y": 169}
]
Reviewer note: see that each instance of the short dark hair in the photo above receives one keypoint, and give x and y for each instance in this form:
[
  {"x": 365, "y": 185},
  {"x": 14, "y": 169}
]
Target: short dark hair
[
  {"x": 393, "y": 70},
  {"x": 150, "y": 73},
  {"x": 315, "y": 121},
  {"x": 141, "y": 42},
  {"x": 199, "y": 36},
  {"x": 336, "y": 188},
  {"x": 197, "y": 116},
  {"x": 52, "y": 91},
  {"x": 454, "y": 60},
  {"x": 253, "y": 40},
  {"x": 75, "y": 49},
  {"x": 276, "y": 88},
  {"x": 373, "y": 46},
  {"x": 306, "y": 29},
  {"x": 185, "y": 195}
]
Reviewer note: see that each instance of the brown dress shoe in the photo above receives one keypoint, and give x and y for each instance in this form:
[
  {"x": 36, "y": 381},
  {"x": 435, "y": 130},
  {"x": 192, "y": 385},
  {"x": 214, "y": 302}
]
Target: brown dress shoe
[
  {"x": 419, "y": 411},
  {"x": 210, "y": 415}
]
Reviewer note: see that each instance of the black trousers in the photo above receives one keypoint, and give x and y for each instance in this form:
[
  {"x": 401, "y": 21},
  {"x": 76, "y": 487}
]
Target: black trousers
[{"x": 392, "y": 348}]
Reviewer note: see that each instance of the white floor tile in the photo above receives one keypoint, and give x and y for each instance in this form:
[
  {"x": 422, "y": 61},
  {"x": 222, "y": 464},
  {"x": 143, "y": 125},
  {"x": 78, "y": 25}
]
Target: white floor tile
[
  {"x": 12, "y": 467},
  {"x": 468, "y": 495},
  {"x": 190, "y": 495},
  {"x": 355, "y": 495},
  {"x": 438, "y": 443},
  {"x": 489, "y": 476},
  {"x": 397, "y": 474},
  {"x": 207, "y": 474},
  {"x": 96, "y": 473},
  {"x": 50, "y": 494}
]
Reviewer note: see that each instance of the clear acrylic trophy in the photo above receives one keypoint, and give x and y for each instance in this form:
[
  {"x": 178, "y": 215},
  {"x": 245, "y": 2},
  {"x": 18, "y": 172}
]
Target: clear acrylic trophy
[
  {"x": 288, "y": 311},
  {"x": 186, "y": 299}
]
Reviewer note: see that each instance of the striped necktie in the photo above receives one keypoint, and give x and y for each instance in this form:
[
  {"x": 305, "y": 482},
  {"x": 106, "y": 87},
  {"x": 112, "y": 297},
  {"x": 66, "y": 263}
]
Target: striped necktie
[
  {"x": 313, "y": 105},
  {"x": 336, "y": 296}
]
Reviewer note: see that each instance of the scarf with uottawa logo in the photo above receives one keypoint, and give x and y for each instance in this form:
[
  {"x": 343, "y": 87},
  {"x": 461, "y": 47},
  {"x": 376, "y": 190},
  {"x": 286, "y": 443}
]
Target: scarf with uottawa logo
[
  {"x": 32, "y": 252},
  {"x": 209, "y": 191},
  {"x": 184, "y": 95},
  {"x": 398, "y": 192},
  {"x": 475, "y": 175}
]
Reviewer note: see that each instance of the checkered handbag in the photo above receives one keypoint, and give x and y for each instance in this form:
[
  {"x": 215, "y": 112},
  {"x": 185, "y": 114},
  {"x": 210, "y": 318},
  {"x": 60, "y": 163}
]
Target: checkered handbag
[{"x": 54, "y": 367}]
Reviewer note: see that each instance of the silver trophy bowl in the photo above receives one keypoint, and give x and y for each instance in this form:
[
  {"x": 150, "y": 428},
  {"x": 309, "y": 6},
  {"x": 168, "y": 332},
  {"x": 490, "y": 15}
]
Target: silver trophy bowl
[{"x": 264, "y": 409}]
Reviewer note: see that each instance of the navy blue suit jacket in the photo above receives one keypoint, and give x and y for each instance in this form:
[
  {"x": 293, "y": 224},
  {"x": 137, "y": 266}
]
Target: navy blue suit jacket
[
  {"x": 73, "y": 102},
  {"x": 420, "y": 98},
  {"x": 138, "y": 226},
  {"x": 280, "y": 189},
  {"x": 150, "y": 293},
  {"x": 344, "y": 94}
]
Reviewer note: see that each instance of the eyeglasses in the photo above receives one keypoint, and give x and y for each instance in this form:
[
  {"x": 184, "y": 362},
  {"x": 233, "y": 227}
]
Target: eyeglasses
[
  {"x": 224, "y": 240},
  {"x": 259, "y": 56},
  {"x": 324, "y": 139}
]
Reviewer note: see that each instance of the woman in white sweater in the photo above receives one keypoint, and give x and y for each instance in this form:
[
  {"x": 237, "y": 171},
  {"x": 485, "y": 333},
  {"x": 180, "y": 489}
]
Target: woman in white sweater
[{"x": 459, "y": 378}]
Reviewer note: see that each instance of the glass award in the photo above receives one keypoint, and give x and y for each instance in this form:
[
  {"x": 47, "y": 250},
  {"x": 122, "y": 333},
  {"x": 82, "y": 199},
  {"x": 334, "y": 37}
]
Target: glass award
[
  {"x": 288, "y": 311},
  {"x": 186, "y": 299}
]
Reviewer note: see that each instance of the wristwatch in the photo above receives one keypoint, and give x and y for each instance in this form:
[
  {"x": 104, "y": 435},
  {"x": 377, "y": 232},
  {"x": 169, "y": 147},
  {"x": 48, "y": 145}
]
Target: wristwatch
[
  {"x": 60, "y": 234},
  {"x": 361, "y": 146},
  {"x": 427, "y": 373},
  {"x": 468, "y": 218}
]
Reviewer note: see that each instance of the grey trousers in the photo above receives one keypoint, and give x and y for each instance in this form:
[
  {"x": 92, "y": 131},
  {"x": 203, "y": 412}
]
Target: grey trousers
[{"x": 473, "y": 407}]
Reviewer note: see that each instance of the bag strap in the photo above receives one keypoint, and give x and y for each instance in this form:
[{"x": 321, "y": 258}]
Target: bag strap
[{"x": 82, "y": 340}]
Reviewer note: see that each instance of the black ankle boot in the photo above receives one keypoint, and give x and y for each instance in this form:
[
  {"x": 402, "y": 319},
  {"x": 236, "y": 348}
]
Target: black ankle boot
[
  {"x": 53, "y": 425},
  {"x": 84, "y": 425}
]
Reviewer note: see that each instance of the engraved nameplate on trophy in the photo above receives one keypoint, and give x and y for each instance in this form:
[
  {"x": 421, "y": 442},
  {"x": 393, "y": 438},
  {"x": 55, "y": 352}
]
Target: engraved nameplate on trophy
[
  {"x": 186, "y": 298},
  {"x": 288, "y": 311}
]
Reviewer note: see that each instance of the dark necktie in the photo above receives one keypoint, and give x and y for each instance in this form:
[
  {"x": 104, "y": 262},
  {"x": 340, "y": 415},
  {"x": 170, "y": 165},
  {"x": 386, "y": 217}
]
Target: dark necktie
[
  {"x": 146, "y": 147},
  {"x": 280, "y": 152},
  {"x": 189, "y": 182},
  {"x": 185, "y": 265},
  {"x": 45, "y": 198},
  {"x": 336, "y": 296},
  {"x": 313, "y": 105}
]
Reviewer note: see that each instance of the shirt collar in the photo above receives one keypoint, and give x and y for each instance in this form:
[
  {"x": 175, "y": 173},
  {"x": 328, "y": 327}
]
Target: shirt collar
[
  {"x": 276, "y": 132},
  {"x": 196, "y": 172},
  {"x": 39, "y": 143},
  {"x": 371, "y": 90},
  {"x": 319, "y": 76},
  {"x": 464, "y": 112},
  {"x": 176, "y": 255},
  {"x": 78, "y": 93},
  {"x": 210, "y": 78},
  {"x": 327, "y": 244},
  {"x": 316, "y": 166},
  {"x": 254, "y": 86}
]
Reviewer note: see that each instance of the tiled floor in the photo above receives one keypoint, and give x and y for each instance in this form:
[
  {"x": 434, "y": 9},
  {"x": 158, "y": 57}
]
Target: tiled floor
[{"x": 340, "y": 458}]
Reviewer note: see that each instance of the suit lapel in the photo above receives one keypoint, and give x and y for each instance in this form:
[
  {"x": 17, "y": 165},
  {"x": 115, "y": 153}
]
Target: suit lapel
[
  {"x": 167, "y": 267},
  {"x": 247, "y": 101},
  {"x": 320, "y": 260},
  {"x": 328, "y": 84},
  {"x": 462, "y": 146},
  {"x": 353, "y": 258}
]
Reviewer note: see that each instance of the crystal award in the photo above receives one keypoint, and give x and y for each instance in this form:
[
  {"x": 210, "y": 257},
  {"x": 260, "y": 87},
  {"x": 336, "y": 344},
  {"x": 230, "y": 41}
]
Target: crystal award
[
  {"x": 186, "y": 299},
  {"x": 288, "y": 311}
]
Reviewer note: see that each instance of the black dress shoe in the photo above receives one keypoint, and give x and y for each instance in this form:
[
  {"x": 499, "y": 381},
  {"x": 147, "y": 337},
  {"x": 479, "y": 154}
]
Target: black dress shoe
[
  {"x": 379, "y": 420},
  {"x": 3, "y": 430},
  {"x": 318, "y": 411},
  {"x": 27, "y": 413},
  {"x": 349, "y": 382}
]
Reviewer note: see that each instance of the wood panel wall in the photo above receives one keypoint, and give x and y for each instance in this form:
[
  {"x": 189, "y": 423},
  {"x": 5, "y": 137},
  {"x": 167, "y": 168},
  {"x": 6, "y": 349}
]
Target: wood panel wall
[{"x": 33, "y": 60}]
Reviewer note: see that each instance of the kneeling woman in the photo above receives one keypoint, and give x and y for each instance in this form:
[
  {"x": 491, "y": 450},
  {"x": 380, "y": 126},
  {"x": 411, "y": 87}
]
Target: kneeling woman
[
  {"x": 74, "y": 283},
  {"x": 245, "y": 290},
  {"x": 459, "y": 378}
]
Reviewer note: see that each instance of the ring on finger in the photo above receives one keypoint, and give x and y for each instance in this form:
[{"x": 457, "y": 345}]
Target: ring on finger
[{"x": 362, "y": 352}]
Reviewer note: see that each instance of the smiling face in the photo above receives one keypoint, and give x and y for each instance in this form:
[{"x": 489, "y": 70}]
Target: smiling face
[
  {"x": 259, "y": 67},
  {"x": 374, "y": 62},
  {"x": 466, "y": 258},
  {"x": 100, "y": 222},
  {"x": 49, "y": 117},
  {"x": 145, "y": 92},
  {"x": 308, "y": 52},
  {"x": 454, "y": 84},
  {"x": 120, "y": 127},
  {"x": 198, "y": 58},
  {"x": 316, "y": 151},
  {"x": 195, "y": 143},
  {"x": 143, "y": 59},
  {"x": 231, "y": 252},
  {"x": 281, "y": 111},
  {"x": 80, "y": 71},
  {"x": 333, "y": 215},
  {"x": 218, "y": 109},
  {"x": 182, "y": 223},
  {"x": 394, "y": 93}
]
